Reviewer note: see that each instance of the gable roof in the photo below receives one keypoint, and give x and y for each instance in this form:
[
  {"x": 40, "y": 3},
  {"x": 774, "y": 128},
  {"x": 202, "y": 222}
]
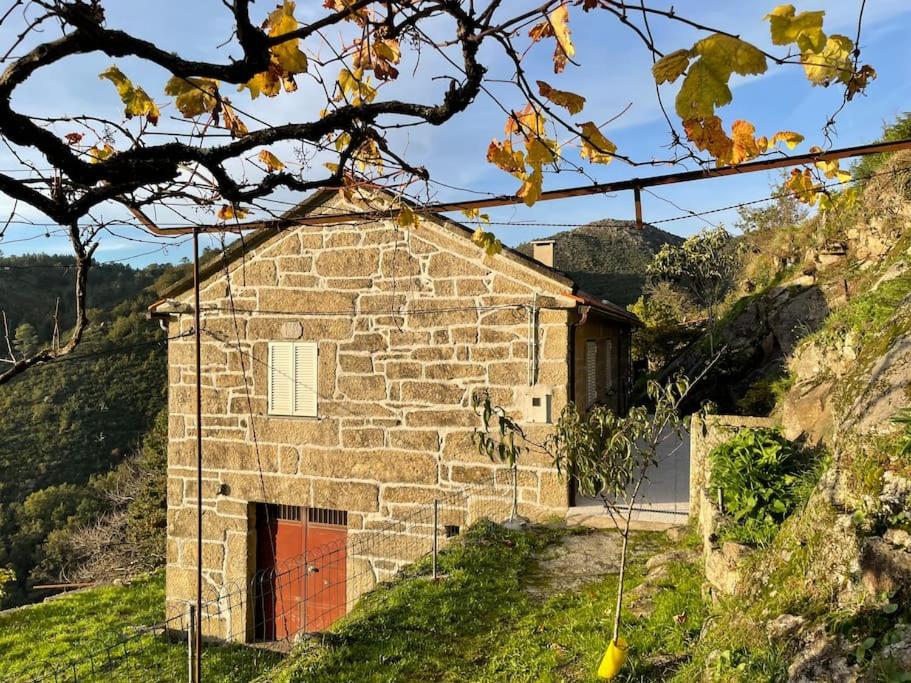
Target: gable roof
[{"x": 245, "y": 244}]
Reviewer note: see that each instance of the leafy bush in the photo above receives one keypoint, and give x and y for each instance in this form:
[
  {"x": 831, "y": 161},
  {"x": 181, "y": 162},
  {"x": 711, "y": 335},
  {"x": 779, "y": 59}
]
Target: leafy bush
[{"x": 757, "y": 472}]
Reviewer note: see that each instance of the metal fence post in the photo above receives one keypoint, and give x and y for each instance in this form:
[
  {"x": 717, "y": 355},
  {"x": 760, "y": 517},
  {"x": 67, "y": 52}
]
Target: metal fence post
[
  {"x": 191, "y": 637},
  {"x": 436, "y": 534}
]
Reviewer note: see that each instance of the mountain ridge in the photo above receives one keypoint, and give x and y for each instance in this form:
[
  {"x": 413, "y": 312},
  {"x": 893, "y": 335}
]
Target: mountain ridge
[{"x": 607, "y": 258}]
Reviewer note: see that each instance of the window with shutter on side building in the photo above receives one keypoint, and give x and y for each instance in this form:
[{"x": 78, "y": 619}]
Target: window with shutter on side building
[
  {"x": 292, "y": 378},
  {"x": 591, "y": 373}
]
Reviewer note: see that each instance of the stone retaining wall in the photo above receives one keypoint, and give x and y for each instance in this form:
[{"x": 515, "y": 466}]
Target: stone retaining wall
[{"x": 705, "y": 434}]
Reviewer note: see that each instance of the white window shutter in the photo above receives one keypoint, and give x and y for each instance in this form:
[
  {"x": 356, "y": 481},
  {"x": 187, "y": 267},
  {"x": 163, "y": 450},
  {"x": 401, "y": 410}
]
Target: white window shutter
[
  {"x": 305, "y": 379},
  {"x": 591, "y": 372},
  {"x": 281, "y": 378}
]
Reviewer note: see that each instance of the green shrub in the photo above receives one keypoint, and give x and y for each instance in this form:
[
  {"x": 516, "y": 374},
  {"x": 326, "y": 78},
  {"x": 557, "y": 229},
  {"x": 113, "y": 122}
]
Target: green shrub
[{"x": 757, "y": 472}]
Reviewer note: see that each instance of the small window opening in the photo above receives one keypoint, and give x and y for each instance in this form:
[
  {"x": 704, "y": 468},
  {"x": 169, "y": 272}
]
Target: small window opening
[
  {"x": 452, "y": 530},
  {"x": 327, "y": 516}
]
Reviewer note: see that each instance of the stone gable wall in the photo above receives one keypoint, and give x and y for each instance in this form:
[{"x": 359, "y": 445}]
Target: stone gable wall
[{"x": 411, "y": 325}]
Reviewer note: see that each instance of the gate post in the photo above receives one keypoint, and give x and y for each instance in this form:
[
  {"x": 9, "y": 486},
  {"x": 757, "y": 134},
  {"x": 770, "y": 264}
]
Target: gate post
[
  {"x": 191, "y": 636},
  {"x": 436, "y": 533}
]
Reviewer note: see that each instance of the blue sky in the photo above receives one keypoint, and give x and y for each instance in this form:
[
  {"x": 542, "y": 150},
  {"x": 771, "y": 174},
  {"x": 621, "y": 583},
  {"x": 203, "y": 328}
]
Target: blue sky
[{"x": 613, "y": 73}]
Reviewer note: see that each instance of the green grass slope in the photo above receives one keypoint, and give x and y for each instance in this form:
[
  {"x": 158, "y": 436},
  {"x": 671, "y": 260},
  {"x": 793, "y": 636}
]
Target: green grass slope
[
  {"x": 481, "y": 624},
  {"x": 62, "y": 633},
  {"x": 608, "y": 258}
]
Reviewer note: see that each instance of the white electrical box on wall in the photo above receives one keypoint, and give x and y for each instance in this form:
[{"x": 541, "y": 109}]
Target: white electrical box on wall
[{"x": 538, "y": 400}]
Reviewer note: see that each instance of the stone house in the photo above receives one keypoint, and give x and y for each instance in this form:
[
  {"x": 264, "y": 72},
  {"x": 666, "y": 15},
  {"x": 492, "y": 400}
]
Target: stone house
[{"x": 339, "y": 365}]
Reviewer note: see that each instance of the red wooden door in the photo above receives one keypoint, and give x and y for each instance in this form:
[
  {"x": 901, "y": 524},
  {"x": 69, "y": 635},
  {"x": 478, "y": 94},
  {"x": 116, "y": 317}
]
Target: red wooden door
[
  {"x": 327, "y": 574},
  {"x": 301, "y": 570}
]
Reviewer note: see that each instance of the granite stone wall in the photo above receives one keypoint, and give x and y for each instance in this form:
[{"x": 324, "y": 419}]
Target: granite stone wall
[{"x": 411, "y": 325}]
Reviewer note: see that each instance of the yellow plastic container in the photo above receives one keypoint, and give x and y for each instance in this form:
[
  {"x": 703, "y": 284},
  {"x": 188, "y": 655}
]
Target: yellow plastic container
[{"x": 613, "y": 659}]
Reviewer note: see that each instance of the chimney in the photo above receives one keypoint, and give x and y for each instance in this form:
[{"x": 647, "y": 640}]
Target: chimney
[{"x": 543, "y": 252}]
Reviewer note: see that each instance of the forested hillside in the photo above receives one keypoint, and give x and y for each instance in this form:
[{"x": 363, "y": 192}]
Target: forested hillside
[
  {"x": 608, "y": 258},
  {"x": 76, "y": 418}
]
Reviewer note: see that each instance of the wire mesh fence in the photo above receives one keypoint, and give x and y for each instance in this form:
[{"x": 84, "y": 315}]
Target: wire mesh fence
[{"x": 247, "y": 626}]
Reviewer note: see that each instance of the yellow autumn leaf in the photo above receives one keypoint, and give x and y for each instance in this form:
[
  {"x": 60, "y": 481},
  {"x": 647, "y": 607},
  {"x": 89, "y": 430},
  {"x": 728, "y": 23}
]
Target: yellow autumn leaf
[
  {"x": 504, "y": 157},
  {"x": 540, "y": 151},
  {"x": 804, "y": 29},
  {"x": 270, "y": 161},
  {"x": 368, "y": 154},
  {"x": 528, "y": 122},
  {"x": 487, "y": 241},
  {"x": 803, "y": 186},
  {"x": 706, "y": 84},
  {"x": 702, "y": 91},
  {"x": 268, "y": 83},
  {"x": 287, "y": 54},
  {"x": 728, "y": 55},
  {"x": 670, "y": 67},
  {"x": 532, "y": 184},
  {"x": 475, "y": 214},
  {"x": 556, "y": 25},
  {"x": 135, "y": 100},
  {"x": 595, "y": 147},
  {"x": 354, "y": 86},
  {"x": 99, "y": 154},
  {"x": 570, "y": 101},
  {"x": 229, "y": 212},
  {"x": 790, "y": 138},
  {"x": 746, "y": 146},
  {"x": 708, "y": 135},
  {"x": 232, "y": 121},
  {"x": 559, "y": 20},
  {"x": 834, "y": 63},
  {"x": 193, "y": 96},
  {"x": 406, "y": 218}
]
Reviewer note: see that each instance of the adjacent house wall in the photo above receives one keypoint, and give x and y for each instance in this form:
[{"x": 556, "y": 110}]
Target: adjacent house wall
[
  {"x": 608, "y": 336},
  {"x": 411, "y": 324}
]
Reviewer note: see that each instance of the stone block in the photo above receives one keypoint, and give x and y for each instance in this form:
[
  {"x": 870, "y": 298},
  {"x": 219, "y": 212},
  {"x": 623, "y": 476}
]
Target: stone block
[
  {"x": 288, "y": 459},
  {"x": 464, "y": 335},
  {"x": 426, "y": 440},
  {"x": 382, "y": 303},
  {"x": 432, "y": 393},
  {"x": 471, "y": 287},
  {"x": 362, "y": 387},
  {"x": 294, "y": 264},
  {"x": 343, "y": 238},
  {"x": 471, "y": 474},
  {"x": 348, "y": 262},
  {"x": 398, "y": 263},
  {"x": 441, "y": 418},
  {"x": 305, "y": 301},
  {"x": 304, "y": 431},
  {"x": 450, "y": 371},
  {"x": 433, "y": 353},
  {"x": 444, "y": 264},
  {"x": 489, "y": 335},
  {"x": 365, "y": 341},
  {"x": 385, "y": 465},
  {"x": 345, "y": 495},
  {"x": 298, "y": 281},
  {"x": 509, "y": 373},
  {"x": 553, "y": 490},
  {"x": 355, "y": 363},
  {"x": 403, "y": 370},
  {"x": 259, "y": 272},
  {"x": 362, "y": 437},
  {"x": 352, "y": 283},
  {"x": 418, "y": 495}
]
